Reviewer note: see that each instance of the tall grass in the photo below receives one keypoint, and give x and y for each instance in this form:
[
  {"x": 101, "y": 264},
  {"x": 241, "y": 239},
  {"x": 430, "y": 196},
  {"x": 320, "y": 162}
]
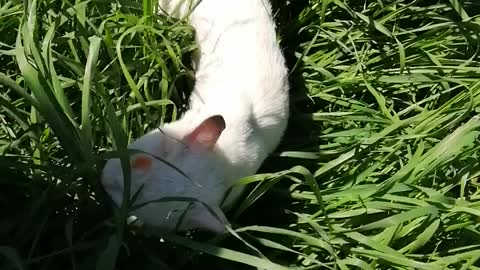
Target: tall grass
[{"x": 378, "y": 170}]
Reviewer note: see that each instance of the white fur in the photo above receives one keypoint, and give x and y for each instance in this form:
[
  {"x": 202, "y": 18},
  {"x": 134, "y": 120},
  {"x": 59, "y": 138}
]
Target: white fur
[{"x": 240, "y": 75}]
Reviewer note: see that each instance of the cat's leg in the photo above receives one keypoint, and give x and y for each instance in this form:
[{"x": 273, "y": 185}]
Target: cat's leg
[{"x": 177, "y": 8}]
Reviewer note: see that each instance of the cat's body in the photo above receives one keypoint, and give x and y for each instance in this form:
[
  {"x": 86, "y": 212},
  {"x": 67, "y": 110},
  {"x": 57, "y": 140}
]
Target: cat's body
[{"x": 238, "y": 113}]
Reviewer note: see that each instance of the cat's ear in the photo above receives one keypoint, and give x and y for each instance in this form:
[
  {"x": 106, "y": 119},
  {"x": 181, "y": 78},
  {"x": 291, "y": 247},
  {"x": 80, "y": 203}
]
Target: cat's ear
[{"x": 207, "y": 133}]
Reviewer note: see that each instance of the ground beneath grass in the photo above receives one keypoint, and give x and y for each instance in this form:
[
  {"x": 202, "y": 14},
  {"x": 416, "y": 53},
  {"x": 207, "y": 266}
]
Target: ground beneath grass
[{"x": 379, "y": 168}]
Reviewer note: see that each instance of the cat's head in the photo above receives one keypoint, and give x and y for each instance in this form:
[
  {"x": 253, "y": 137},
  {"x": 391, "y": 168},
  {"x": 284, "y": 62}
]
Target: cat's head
[{"x": 173, "y": 165}]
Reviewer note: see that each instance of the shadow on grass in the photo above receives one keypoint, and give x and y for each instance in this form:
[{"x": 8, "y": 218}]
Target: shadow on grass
[{"x": 269, "y": 210}]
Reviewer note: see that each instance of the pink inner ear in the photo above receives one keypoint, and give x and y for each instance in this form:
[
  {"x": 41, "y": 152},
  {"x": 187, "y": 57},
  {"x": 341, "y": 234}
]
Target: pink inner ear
[{"x": 207, "y": 133}]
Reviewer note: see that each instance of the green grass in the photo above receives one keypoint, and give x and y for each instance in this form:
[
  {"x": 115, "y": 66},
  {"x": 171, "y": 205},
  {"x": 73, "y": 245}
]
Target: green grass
[{"x": 379, "y": 168}]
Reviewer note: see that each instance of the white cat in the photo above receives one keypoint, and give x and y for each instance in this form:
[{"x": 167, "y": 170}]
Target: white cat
[{"x": 238, "y": 114}]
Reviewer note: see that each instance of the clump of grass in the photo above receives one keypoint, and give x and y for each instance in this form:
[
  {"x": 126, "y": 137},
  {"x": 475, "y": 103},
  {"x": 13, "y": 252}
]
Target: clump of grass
[
  {"x": 379, "y": 168},
  {"x": 77, "y": 79}
]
